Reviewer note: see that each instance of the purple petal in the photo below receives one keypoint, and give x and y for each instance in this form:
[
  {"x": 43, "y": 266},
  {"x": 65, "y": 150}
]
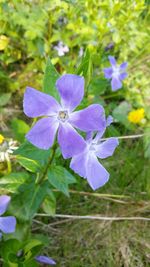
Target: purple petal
[
  {"x": 71, "y": 143},
  {"x": 109, "y": 120},
  {"x": 123, "y": 75},
  {"x": 89, "y": 136},
  {"x": 97, "y": 175},
  {"x": 44, "y": 259},
  {"x": 42, "y": 134},
  {"x": 115, "y": 84},
  {"x": 4, "y": 202},
  {"x": 89, "y": 119},
  {"x": 108, "y": 73},
  {"x": 112, "y": 60},
  {"x": 107, "y": 148},
  {"x": 7, "y": 224},
  {"x": 123, "y": 66},
  {"x": 79, "y": 163},
  {"x": 36, "y": 104},
  {"x": 71, "y": 90}
]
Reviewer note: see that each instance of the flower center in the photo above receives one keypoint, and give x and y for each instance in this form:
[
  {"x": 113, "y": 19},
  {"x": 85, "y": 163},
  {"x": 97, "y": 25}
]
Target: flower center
[
  {"x": 63, "y": 115},
  {"x": 92, "y": 147},
  {"x": 116, "y": 71}
]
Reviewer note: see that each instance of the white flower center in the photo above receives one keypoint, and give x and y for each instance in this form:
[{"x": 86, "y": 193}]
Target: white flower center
[
  {"x": 63, "y": 115},
  {"x": 116, "y": 71},
  {"x": 92, "y": 147}
]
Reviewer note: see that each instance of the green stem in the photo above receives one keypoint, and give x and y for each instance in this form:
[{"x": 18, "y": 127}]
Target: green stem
[
  {"x": 8, "y": 165},
  {"x": 44, "y": 173}
]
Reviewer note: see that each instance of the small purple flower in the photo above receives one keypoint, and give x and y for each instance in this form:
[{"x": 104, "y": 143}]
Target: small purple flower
[
  {"x": 60, "y": 117},
  {"x": 7, "y": 224},
  {"x": 87, "y": 165},
  {"x": 61, "y": 49},
  {"x": 116, "y": 73},
  {"x": 45, "y": 260}
]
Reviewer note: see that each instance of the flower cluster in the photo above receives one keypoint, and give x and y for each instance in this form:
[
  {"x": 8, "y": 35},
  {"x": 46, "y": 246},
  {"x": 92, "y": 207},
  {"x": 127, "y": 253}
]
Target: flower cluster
[{"x": 60, "y": 119}]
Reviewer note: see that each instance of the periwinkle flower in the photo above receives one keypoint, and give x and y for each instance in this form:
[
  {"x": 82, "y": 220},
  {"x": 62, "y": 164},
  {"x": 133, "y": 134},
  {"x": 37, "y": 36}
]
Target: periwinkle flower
[
  {"x": 8, "y": 223},
  {"x": 87, "y": 165},
  {"x": 45, "y": 260},
  {"x": 116, "y": 73},
  {"x": 60, "y": 117},
  {"x": 61, "y": 49}
]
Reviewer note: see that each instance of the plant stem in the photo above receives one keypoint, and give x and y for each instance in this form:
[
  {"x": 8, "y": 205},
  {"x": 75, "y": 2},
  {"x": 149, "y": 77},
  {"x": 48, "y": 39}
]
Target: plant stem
[
  {"x": 44, "y": 173},
  {"x": 8, "y": 165}
]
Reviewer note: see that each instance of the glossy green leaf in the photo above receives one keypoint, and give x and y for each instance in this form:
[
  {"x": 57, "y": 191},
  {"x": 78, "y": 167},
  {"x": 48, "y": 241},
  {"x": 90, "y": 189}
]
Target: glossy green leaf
[
  {"x": 60, "y": 178},
  {"x": 27, "y": 150},
  {"x": 50, "y": 77},
  {"x": 85, "y": 68},
  {"x": 20, "y": 128},
  {"x": 49, "y": 204},
  {"x": 29, "y": 164},
  {"x": 13, "y": 181}
]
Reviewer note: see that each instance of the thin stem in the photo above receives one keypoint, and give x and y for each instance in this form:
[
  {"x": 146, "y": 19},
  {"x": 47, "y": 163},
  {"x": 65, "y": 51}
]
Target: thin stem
[
  {"x": 8, "y": 165},
  {"x": 127, "y": 136},
  {"x": 44, "y": 173},
  {"x": 90, "y": 217},
  {"x": 95, "y": 194}
]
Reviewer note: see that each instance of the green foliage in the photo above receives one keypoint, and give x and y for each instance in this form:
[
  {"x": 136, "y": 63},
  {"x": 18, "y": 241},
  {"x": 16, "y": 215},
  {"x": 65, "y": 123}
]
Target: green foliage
[
  {"x": 50, "y": 77},
  {"x": 60, "y": 178},
  {"x": 20, "y": 128}
]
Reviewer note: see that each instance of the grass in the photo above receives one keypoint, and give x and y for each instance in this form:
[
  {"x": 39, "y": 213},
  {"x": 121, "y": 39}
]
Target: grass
[{"x": 92, "y": 243}]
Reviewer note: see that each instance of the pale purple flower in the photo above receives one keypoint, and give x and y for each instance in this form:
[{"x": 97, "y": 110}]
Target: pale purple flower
[
  {"x": 60, "y": 117},
  {"x": 116, "y": 73},
  {"x": 61, "y": 49},
  {"x": 45, "y": 260},
  {"x": 8, "y": 223},
  {"x": 87, "y": 165}
]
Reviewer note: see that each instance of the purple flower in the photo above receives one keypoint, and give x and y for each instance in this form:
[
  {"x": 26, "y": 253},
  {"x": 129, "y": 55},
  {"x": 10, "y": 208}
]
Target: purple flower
[
  {"x": 87, "y": 165},
  {"x": 61, "y": 49},
  {"x": 7, "y": 224},
  {"x": 60, "y": 117},
  {"x": 44, "y": 259},
  {"x": 116, "y": 73}
]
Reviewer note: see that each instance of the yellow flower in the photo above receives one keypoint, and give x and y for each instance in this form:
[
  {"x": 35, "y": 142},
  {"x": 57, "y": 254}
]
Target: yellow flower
[
  {"x": 136, "y": 116},
  {"x": 1, "y": 138}
]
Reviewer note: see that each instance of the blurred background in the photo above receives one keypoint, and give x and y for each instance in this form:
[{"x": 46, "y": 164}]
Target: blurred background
[{"x": 30, "y": 31}]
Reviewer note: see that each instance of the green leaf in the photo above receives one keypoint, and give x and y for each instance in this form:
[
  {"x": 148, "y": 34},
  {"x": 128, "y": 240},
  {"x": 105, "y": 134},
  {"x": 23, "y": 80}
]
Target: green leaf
[
  {"x": 85, "y": 68},
  {"x": 9, "y": 246},
  {"x": 4, "y": 99},
  {"x": 30, "y": 197},
  {"x": 20, "y": 128},
  {"x": 60, "y": 178},
  {"x": 120, "y": 113},
  {"x": 50, "y": 77},
  {"x": 49, "y": 204},
  {"x": 98, "y": 86},
  {"x": 13, "y": 181},
  {"x": 29, "y": 164},
  {"x": 31, "y": 244},
  {"x": 27, "y": 150}
]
